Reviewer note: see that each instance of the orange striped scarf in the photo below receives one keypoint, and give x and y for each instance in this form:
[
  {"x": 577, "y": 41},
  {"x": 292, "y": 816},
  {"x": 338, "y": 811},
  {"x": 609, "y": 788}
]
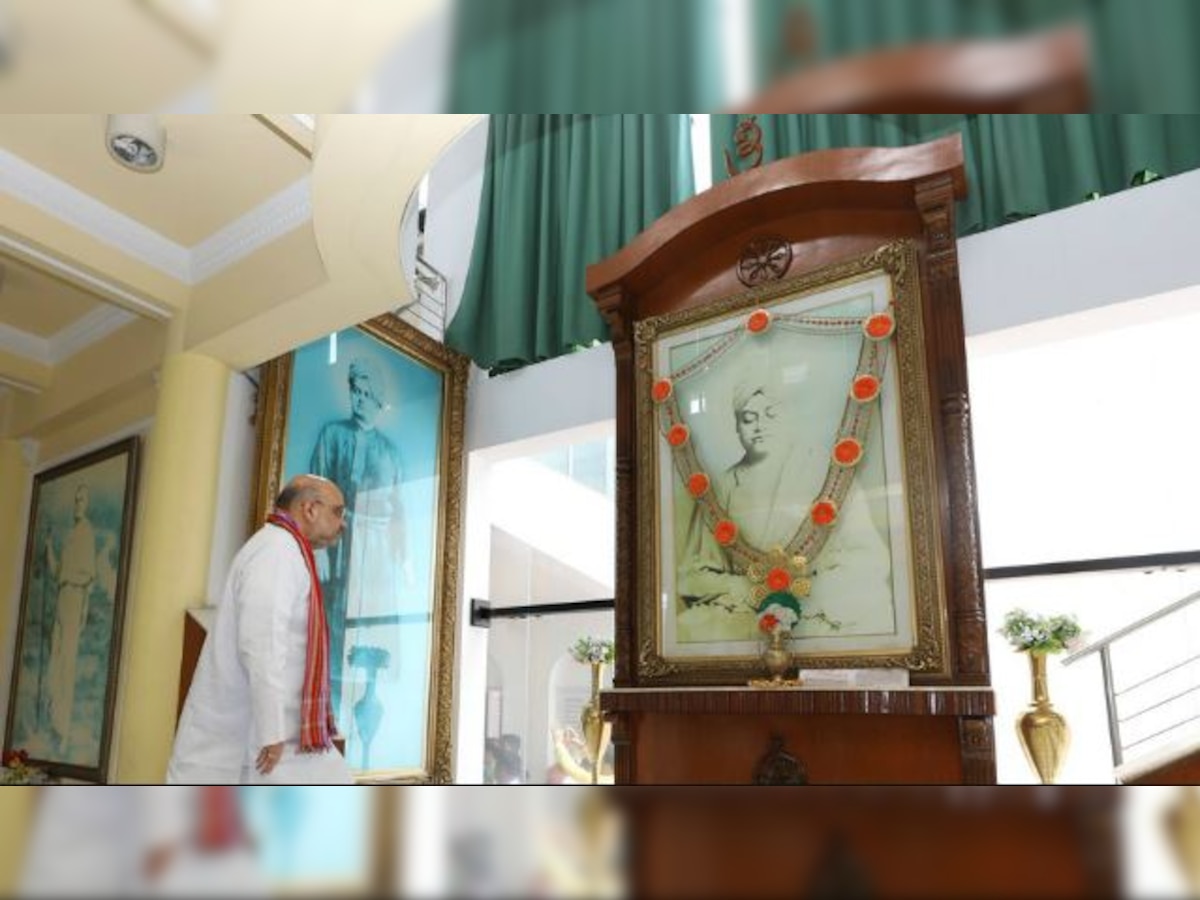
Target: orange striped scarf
[{"x": 316, "y": 716}]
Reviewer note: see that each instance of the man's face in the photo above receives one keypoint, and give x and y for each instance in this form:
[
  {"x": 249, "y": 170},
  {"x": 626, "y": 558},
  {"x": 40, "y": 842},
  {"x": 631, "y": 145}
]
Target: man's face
[
  {"x": 326, "y": 517},
  {"x": 363, "y": 404},
  {"x": 757, "y": 426},
  {"x": 81, "y": 503}
]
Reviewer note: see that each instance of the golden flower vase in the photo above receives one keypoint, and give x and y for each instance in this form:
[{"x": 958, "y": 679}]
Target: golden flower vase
[
  {"x": 777, "y": 657},
  {"x": 1044, "y": 734},
  {"x": 597, "y": 733}
]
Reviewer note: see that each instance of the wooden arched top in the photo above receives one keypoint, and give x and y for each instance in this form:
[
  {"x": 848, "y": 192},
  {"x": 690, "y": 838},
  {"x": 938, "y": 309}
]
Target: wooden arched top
[{"x": 836, "y": 186}]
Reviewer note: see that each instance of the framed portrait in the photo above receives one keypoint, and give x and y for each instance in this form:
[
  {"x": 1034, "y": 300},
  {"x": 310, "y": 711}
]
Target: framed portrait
[
  {"x": 68, "y": 641},
  {"x": 785, "y": 464},
  {"x": 378, "y": 409}
]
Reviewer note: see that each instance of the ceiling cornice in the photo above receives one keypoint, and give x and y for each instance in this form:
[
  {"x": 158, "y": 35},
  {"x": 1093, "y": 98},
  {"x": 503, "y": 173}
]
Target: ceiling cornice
[
  {"x": 65, "y": 343},
  {"x": 262, "y": 225},
  {"x": 25, "y": 345},
  {"x": 101, "y": 287},
  {"x": 68, "y": 204},
  {"x": 267, "y": 222},
  {"x": 95, "y": 326}
]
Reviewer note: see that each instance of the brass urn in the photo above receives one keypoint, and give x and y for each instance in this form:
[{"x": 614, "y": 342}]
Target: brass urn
[
  {"x": 1044, "y": 733},
  {"x": 777, "y": 657},
  {"x": 597, "y": 733}
]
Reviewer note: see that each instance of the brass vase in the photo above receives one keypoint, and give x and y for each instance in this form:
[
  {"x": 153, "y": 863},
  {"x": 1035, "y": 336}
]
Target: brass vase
[
  {"x": 596, "y": 731},
  {"x": 777, "y": 657},
  {"x": 1044, "y": 734}
]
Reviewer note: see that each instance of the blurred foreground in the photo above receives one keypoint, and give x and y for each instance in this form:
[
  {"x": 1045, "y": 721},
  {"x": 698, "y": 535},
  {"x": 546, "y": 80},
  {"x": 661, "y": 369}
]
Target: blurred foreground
[
  {"x": 588, "y": 842},
  {"x": 543, "y": 56}
]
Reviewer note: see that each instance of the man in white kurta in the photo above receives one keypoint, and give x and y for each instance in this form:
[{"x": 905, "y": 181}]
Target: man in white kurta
[{"x": 241, "y": 720}]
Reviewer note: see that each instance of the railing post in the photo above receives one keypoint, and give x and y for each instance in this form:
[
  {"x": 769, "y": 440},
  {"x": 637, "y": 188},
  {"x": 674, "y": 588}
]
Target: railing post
[{"x": 1110, "y": 699}]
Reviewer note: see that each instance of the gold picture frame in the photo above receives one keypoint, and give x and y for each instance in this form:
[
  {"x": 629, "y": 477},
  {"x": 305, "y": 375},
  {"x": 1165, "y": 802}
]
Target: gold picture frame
[
  {"x": 391, "y": 584},
  {"x": 697, "y": 603}
]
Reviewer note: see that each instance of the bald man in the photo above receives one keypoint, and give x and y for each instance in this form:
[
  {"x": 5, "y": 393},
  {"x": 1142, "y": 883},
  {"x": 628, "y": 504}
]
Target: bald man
[{"x": 259, "y": 710}]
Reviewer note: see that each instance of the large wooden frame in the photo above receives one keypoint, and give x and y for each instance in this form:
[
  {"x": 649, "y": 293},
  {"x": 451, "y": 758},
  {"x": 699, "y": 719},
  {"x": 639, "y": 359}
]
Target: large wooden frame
[
  {"x": 400, "y": 577},
  {"x": 77, "y": 554},
  {"x": 802, "y": 222}
]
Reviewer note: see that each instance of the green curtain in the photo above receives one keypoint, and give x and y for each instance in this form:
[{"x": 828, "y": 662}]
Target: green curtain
[
  {"x": 543, "y": 56},
  {"x": 560, "y": 193},
  {"x": 1017, "y": 166}
]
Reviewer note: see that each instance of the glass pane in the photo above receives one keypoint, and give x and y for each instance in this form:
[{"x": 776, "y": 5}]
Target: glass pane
[
  {"x": 367, "y": 416},
  {"x": 552, "y": 539},
  {"x": 536, "y": 694}
]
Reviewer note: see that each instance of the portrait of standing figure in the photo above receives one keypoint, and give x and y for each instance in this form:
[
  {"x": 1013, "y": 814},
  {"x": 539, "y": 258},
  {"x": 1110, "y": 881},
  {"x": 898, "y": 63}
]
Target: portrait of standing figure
[
  {"x": 365, "y": 572},
  {"x": 69, "y": 627}
]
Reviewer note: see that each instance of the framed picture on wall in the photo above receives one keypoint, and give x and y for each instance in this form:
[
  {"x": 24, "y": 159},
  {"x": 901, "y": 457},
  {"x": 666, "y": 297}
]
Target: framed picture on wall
[
  {"x": 378, "y": 410},
  {"x": 68, "y": 641},
  {"x": 785, "y": 456}
]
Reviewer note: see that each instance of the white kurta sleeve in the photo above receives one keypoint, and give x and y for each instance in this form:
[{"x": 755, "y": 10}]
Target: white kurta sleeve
[{"x": 265, "y": 599}]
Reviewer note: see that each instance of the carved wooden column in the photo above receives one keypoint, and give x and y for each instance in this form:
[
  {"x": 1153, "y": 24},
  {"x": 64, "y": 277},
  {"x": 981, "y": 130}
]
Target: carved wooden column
[{"x": 944, "y": 325}]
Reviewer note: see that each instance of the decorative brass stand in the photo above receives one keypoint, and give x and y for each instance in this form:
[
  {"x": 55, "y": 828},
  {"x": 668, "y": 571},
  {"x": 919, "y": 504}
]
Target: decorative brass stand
[{"x": 1043, "y": 733}]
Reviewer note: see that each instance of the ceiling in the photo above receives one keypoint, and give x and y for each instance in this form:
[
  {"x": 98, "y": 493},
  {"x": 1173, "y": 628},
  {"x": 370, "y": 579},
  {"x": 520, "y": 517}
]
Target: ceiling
[
  {"x": 39, "y": 304},
  {"x": 216, "y": 168}
]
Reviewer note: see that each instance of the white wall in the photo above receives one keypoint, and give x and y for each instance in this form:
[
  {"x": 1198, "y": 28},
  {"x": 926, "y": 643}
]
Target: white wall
[
  {"x": 455, "y": 186},
  {"x": 572, "y": 391},
  {"x": 1133, "y": 244},
  {"x": 231, "y": 519}
]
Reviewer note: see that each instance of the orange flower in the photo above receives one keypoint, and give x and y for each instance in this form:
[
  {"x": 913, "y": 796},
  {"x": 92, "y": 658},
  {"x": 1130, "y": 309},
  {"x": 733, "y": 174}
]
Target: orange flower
[
  {"x": 662, "y": 389},
  {"x": 698, "y": 484},
  {"x": 767, "y": 623},
  {"x": 824, "y": 512},
  {"x": 865, "y": 388},
  {"x": 725, "y": 532},
  {"x": 759, "y": 321},
  {"x": 847, "y": 452},
  {"x": 677, "y": 435},
  {"x": 879, "y": 326},
  {"x": 778, "y": 579}
]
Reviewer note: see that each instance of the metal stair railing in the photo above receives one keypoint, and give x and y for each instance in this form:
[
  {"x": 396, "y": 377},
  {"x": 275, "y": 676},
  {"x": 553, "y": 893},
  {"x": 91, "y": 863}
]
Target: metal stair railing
[{"x": 1113, "y": 697}]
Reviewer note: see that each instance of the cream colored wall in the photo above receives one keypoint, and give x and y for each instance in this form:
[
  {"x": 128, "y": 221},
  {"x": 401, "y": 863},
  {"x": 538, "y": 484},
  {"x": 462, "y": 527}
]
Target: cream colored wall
[
  {"x": 105, "y": 373},
  {"x": 287, "y": 267},
  {"x": 15, "y": 471},
  {"x": 24, "y": 373},
  {"x": 53, "y": 236},
  {"x": 16, "y": 817}
]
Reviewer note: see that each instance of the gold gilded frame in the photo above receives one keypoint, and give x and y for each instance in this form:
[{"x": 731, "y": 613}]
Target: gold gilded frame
[
  {"x": 930, "y": 655},
  {"x": 273, "y": 404}
]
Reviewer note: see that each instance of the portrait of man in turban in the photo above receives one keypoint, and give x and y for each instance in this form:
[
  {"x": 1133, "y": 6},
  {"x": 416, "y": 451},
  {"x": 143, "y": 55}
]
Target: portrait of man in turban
[{"x": 364, "y": 573}]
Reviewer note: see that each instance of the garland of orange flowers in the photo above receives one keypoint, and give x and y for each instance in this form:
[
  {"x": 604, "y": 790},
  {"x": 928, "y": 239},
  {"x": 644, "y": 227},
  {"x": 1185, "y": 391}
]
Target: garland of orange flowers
[{"x": 784, "y": 568}]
